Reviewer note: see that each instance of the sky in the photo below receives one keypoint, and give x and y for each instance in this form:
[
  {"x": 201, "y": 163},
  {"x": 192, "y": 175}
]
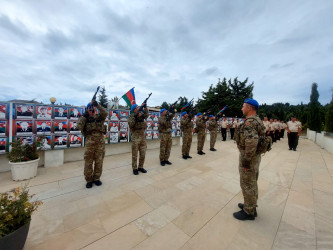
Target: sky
[{"x": 66, "y": 48}]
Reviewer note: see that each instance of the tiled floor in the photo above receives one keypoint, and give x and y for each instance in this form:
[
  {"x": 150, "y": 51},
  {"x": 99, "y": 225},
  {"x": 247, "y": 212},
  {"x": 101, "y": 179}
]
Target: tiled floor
[{"x": 187, "y": 205}]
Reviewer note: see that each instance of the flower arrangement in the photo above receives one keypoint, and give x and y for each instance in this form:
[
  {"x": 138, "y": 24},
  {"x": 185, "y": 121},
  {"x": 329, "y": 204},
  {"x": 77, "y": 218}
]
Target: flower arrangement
[
  {"x": 16, "y": 208},
  {"x": 20, "y": 152}
]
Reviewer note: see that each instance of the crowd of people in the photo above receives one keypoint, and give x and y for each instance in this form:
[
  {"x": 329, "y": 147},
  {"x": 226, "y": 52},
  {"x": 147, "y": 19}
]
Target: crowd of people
[{"x": 247, "y": 133}]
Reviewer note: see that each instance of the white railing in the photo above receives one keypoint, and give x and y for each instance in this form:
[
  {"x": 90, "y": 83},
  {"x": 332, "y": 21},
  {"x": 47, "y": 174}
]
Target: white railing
[{"x": 324, "y": 141}]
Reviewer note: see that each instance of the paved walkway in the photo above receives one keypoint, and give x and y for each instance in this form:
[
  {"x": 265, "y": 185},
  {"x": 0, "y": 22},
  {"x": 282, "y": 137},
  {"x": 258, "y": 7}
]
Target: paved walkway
[{"x": 187, "y": 205}]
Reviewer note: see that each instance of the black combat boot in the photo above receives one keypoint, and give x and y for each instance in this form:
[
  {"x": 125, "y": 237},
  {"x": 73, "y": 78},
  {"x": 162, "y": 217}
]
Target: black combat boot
[
  {"x": 162, "y": 163},
  {"x": 135, "y": 171},
  {"x": 97, "y": 182},
  {"x": 241, "y": 206},
  {"x": 188, "y": 157},
  {"x": 212, "y": 149},
  {"x": 184, "y": 157},
  {"x": 200, "y": 153},
  {"x": 142, "y": 170},
  {"x": 89, "y": 184},
  {"x": 167, "y": 162},
  {"x": 242, "y": 215}
]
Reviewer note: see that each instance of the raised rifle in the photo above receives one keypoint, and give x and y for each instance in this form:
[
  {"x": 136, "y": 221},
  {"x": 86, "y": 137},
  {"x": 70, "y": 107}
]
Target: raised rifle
[
  {"x": 144, "y": 104},
  {"x": 172, "y": 107},
  {"x": 94, "y": 97}
]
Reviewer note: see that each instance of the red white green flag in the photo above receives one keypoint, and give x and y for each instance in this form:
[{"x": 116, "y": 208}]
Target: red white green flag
[{"x": 129, "y": 97}]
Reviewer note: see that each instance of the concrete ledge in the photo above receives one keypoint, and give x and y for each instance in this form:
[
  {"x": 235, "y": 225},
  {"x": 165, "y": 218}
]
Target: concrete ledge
[
  {"x": 54, "y": 158},
  {"x": 325, "y": 142}
]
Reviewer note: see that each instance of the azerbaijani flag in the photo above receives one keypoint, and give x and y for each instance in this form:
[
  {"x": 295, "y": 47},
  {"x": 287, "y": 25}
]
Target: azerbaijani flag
[
  {"x": 222, "y": 109},
  {"x": 187, "y": 105},
  {"x": 129, "y": 97}
]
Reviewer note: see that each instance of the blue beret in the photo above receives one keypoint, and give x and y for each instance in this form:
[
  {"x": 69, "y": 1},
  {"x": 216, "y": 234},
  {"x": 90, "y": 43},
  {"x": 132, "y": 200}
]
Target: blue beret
[
  {"x": 198, "y": 114},
  {"x": 184, "y": 113},
  {"x": 252, "y": 102},
  {"x": 162, "y": 110},
  {"x": 134, "y": 106},
  {"x": 210, "y": 116},
  {"x": 88, "y": 105}
]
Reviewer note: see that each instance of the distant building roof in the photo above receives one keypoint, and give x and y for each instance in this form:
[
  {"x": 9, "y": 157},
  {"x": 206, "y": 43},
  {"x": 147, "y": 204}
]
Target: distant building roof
[{"x": 24, "y": 101}]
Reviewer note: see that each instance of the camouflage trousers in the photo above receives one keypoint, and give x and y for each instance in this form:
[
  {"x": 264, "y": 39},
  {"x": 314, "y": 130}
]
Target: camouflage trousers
[
  {"x": 213, "y": 135},
  {"x": 165, "y": 146},
  {"x": 187, "y": 141},
  {"x": 248, "y": 183},
  {"x": 95, "y": 151},
  {"x": 138, "y": 144},
  {"x": 201, "y": 140}
]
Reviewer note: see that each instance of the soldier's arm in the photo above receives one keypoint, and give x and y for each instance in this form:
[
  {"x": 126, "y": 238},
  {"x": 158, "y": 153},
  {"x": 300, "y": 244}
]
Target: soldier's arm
[
  {"x": 251, "y": 142},
  {"x": 103, "y": 112},
  {"x": 131, "y": 122},
  {"x": 81, "y": 122},
  {"x": 146, "y": 114}
]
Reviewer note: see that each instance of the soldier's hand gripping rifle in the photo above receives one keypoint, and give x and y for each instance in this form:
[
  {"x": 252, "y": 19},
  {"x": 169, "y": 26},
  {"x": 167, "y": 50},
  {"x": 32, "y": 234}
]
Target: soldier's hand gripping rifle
[
  {"x": 144, "y": 104},
  {"x": 172, "y": 107},
  {"x": 93, "y": 100}
]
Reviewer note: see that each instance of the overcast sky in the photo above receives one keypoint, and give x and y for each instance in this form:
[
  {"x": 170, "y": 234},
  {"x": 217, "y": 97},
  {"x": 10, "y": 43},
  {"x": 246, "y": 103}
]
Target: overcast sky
[{"x": 171, "y": 48}]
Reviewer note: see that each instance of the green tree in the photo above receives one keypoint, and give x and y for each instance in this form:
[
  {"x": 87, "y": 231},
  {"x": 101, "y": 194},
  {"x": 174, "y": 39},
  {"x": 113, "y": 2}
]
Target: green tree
[
  {"x": 314, "y": 113},
  {"x": 103, "y": 98},
  {"x": 329, "y": 116}
]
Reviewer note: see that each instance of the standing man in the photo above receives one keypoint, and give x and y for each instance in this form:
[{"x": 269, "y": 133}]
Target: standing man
[
  {"x": 93, "y": 129},
  {"x": 232, "y": 127},
  {"x": 266, "y": 124},
  {"x": 271, "y": 130},
  {"x": 164, "y": 128},
  {"x": 294, "y": 131},
  {"x": 224, "y": 125},
  {"x": 137, "y": 125},
  {"x": 201, "y": 130},
  {"x": 212, "y": 127},
  {"x": 247, "y": 140},
  {"x": 186, "y": 126}
]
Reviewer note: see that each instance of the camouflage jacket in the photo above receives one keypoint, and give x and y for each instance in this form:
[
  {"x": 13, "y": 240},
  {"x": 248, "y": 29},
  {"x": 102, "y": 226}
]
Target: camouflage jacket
[
  {"x": 186, "y": 124},
  {"x": 247, "y": 136},
  {"x": 137, "y": 123},
  {"x": 201, "y": 123},
  {"x": 165, "y": 125},
  {"x": 94, "y": 124},
  {"x": 212, "y": 125}
]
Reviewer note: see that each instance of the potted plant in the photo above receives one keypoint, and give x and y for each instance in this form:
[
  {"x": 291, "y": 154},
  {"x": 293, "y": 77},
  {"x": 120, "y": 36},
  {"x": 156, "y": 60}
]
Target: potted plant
[
  {"x": 23, "y": 160},
  {"x": 16, "y": 208}
]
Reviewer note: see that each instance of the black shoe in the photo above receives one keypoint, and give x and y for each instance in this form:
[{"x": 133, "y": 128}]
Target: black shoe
[
  {"x": 212, "y": 149},
  {"x": 184, "y": 157},
  {"x": 241, "y": 215},
  {"x": 135, "y": 171},
  {"x": 200, "y": 153},
  {"x": 89, "y": 184},
  {"x": 241, "y": 206},
  {"x": 203, "y": 152},
  {"x": 162, "y": 163},
  {"x": 97, "y": 182},
  {"x": 294, "y": 149},
  {"x": 290, "y": 149},
  {"x": 189, "y": 157},
  {"x": 142, "y": 170},
  {"x": 167, "y": 162}
]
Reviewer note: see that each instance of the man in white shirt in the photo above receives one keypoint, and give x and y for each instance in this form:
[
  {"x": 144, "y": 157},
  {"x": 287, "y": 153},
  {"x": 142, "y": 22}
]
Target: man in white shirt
[
  {"x": 294, "y": 131},
  {"x": 224, "y": 125}
]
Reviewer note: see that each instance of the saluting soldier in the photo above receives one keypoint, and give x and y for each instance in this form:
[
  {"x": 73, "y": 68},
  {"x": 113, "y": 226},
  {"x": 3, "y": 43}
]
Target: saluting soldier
[
  {"x": 247, "y": 137},
  {"x": 164, "y": 128},
  {"x": 212, "y": 127},
  {"x": 186, "y": 126},
  {"x": 201, "y": 130},
  {"x": 137, "y": 125},
  {"x": 93, "y": 129}
]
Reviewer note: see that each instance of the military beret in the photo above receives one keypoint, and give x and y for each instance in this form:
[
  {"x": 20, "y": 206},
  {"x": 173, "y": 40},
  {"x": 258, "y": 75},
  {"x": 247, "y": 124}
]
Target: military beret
[
  {"x": 184, "y": 113},
  {"x": 89, "y": 106},
  {"x": 162, "y": 110},
  {"x": 252, "y": 102},
  {"x": 134, "y": 106},
  {"x": 198, "y": 114},
  {"x": 210, "y": 116}
]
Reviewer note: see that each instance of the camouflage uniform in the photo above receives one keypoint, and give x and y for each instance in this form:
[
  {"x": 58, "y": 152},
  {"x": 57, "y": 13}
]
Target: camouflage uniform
[
  {"x": 201, "y": 128},
  {"x": 137, "y": 126},
  {"x": 212, "y": 127},
  {"x": 164, "y": 128},
  {"x": 93, "y": 129},
  {"x": 186, "y": 126},
  {"x": 247, "y": 136}
]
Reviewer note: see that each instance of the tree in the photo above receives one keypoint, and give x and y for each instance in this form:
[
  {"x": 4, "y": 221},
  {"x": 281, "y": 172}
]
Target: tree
[
  {"x": 329, "y": 116},
  {"x": 103, "y": 98},
  {"x": 314, "y": 113}
]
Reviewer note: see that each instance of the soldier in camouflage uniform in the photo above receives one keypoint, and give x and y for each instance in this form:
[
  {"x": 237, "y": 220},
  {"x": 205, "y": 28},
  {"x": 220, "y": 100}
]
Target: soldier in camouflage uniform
[
  {"x": 201, "y": 130},
  {"x": 93, "y": 129},
  {"x": 247, "y": 136},
  {"x": 186, "y": 126},
  {"x": 137, "y": 125},
  {"x": 164, "y": 128},
  {"x": 212, "y": 127}
]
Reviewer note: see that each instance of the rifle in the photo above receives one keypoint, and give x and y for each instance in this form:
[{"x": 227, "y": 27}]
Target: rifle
[
  {"x": 171, "y": 109},
  {"x": 144, "y": 104},
  {"x": 94, "y": 97}
]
